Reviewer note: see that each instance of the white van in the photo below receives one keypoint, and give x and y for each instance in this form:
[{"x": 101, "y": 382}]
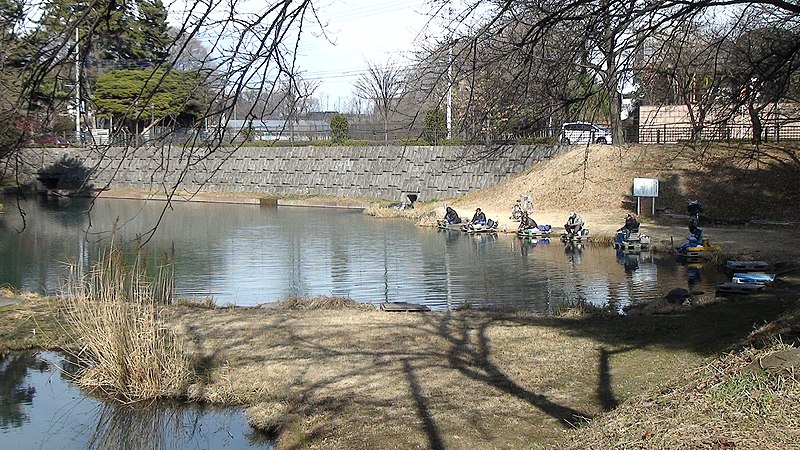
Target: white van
[{"x": 584, "y": 133}]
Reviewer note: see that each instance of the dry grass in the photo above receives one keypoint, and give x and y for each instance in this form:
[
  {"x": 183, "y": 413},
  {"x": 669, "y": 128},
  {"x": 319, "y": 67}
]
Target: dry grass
[
  {"x": 721, "y": 405},
  {"x": 349, "y": 378},
  {"x": 363, "y": 378},
  {"x": 318, "y": 302},
  {"x": 732, "y": 182},
  {"x": 367, "y": 379},
  {"x": 389, "y": 212},
  {"x": 203, "y": 302},
  {"x": 114, "y": 313},
  {"x": 33, "y": 322}
]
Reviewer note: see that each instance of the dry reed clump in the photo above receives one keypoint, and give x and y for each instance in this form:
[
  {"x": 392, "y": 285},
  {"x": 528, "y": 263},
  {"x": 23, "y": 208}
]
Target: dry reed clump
[
  {"x": 204, "y": 302},
  {"x": 114, "y": 314},
  {"x": 318, "y": 302},
  {"x": 9, "y": 291},
  {"x": 388, "y": 212}
]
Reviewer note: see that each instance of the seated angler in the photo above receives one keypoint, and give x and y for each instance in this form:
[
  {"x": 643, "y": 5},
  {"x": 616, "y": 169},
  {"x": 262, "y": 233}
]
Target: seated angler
[
  {"x": 526, "y": 222},
  {"x": 695, "y": 234},
  {"x": 451, "y": 216},
  {"x": 695, "y": 237},
  {"x": 479, "y": 218},
  {"x": 631, "y": 226},
  {"x": 516, "y": 211},
  {"x": 574, "y": 224}
]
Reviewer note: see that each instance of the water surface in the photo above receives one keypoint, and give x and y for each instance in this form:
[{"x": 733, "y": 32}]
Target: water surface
[
  {"x": 248, "y": 255},
  {"x": 41, "y": 409}
]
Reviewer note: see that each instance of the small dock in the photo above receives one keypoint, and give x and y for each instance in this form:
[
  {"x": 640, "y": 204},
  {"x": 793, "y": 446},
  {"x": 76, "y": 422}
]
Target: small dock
[{"x": 403, "y": 307}]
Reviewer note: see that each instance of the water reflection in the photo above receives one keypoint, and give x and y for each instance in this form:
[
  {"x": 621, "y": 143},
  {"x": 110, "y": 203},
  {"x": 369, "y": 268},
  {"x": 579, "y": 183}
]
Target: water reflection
[
  {"x": 247, "y": 255},
  {"x": 40, "y": 408},
  {"x": 14, "y": 393}
]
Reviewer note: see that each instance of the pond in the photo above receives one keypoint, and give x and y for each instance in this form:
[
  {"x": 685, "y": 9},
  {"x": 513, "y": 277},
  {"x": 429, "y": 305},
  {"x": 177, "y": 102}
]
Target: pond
[
  {"x": 247, "y": 255},
  {"x": 41, "y": 408}
]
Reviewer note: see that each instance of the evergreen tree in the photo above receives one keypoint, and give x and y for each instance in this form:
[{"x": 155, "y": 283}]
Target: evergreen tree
[
  {"x": 340, "y": 129},
  {"x": 435, "y": 127},
  {"x": 133, "y": 95}
]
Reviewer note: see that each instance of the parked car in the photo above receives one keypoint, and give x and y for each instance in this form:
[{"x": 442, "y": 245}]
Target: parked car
[
  {"x": 50, "y": 140},
  {"x": 584, "y": 133}
]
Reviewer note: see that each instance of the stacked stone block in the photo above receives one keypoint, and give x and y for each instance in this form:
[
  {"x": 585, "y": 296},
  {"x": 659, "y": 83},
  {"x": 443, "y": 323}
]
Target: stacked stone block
[{"x": 376, "y": 172}]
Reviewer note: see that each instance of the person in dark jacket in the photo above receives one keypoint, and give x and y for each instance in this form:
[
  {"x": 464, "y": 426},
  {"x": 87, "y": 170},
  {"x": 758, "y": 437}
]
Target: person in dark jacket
[
  {"x": 631, "y": 226},
  {"x": 451, "y": 216},
  {"x": 479, "y": 218},
  {"x": 526, "y": 222},
  {"x": 695, "y": 234}
]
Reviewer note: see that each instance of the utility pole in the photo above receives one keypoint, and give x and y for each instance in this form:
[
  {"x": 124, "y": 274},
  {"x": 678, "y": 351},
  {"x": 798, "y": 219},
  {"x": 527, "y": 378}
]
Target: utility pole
[
  {"x": 77, "y": 89},
  {"x": 450, "y": 78}
]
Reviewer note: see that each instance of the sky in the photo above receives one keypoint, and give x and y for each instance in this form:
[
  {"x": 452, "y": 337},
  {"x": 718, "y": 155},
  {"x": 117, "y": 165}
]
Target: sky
[
  {"x": 361, "y": 30},
  {"x": 357, "y": 31}
]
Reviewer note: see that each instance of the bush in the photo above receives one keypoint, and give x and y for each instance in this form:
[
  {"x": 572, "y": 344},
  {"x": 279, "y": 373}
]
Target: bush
[
  {"x": 435, "y": 126},
  {"x": 340, "y": 129}
]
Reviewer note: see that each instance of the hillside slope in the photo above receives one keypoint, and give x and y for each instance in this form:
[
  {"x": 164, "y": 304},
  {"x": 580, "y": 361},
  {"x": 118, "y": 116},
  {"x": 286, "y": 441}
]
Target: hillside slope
[{"x": 734, "y": 184}]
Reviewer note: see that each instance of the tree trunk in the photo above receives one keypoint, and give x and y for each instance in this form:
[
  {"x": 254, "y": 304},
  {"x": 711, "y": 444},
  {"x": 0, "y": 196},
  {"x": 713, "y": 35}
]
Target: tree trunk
[
  {"x": 386, "y": 128},
  {"x": 755, "y": 120}
]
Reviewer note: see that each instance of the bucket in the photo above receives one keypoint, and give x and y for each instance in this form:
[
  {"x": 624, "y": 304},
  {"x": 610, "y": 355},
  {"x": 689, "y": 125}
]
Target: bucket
[{"x": 706, "y": 243}]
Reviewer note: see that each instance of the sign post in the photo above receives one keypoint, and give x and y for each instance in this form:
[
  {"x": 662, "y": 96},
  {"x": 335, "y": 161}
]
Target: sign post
[{"x": 645, "y": 187}]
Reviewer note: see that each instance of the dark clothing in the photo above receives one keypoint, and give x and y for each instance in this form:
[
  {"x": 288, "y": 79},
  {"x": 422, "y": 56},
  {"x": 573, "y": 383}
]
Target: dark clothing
[
  {"x": 451, "y": 216},
  {"x": 631, "y": 225},
  {"x": 694, "y": 207},
  {"x": 527, "y": 222},
  {"x": 696, "y": 234},
  {"x": 479, "y": 218},
  {"x": 516, "y": 212}
]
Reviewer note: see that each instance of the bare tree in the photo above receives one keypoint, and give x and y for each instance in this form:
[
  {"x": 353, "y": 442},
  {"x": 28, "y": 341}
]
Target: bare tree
[
  {"x": 248, "y": 47},
  {"x": 762, "y": 60},
  {"x": 596, "y": 42},
  {"x": 188, "y": 53},
  {"x": 382, "y": 85}
]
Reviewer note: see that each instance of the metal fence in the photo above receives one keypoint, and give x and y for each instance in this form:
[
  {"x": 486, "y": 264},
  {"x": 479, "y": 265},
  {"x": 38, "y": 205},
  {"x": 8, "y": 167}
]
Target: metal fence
[
  {"x": 671, "y": 134},
  {"x": 659, "y": 134}
]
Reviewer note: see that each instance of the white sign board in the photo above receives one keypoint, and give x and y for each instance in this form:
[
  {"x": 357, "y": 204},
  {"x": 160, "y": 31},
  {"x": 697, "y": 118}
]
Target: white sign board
[{"x": 645, "y": 187}]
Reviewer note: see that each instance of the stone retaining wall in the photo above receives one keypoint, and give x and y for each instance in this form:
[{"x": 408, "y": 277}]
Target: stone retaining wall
[{"x": 376, "y": 172}]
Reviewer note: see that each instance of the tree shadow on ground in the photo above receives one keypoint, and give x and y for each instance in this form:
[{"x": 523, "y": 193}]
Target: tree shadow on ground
[
  {"x": 474, "y": 360},
  {"x": 460, "y": 343},
  {"x": 706, "y": 331},
  {"x": 736, "y": 185}
]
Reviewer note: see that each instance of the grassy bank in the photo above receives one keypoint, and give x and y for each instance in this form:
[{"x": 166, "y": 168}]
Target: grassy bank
[
  {"x": 351, "y": 377},
  {"x": 724, "y": 404},
  {"x": 367, "y": 379}
]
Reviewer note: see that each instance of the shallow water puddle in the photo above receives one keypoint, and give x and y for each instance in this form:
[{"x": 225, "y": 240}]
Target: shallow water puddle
[{"x": 41, "y": 409}]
